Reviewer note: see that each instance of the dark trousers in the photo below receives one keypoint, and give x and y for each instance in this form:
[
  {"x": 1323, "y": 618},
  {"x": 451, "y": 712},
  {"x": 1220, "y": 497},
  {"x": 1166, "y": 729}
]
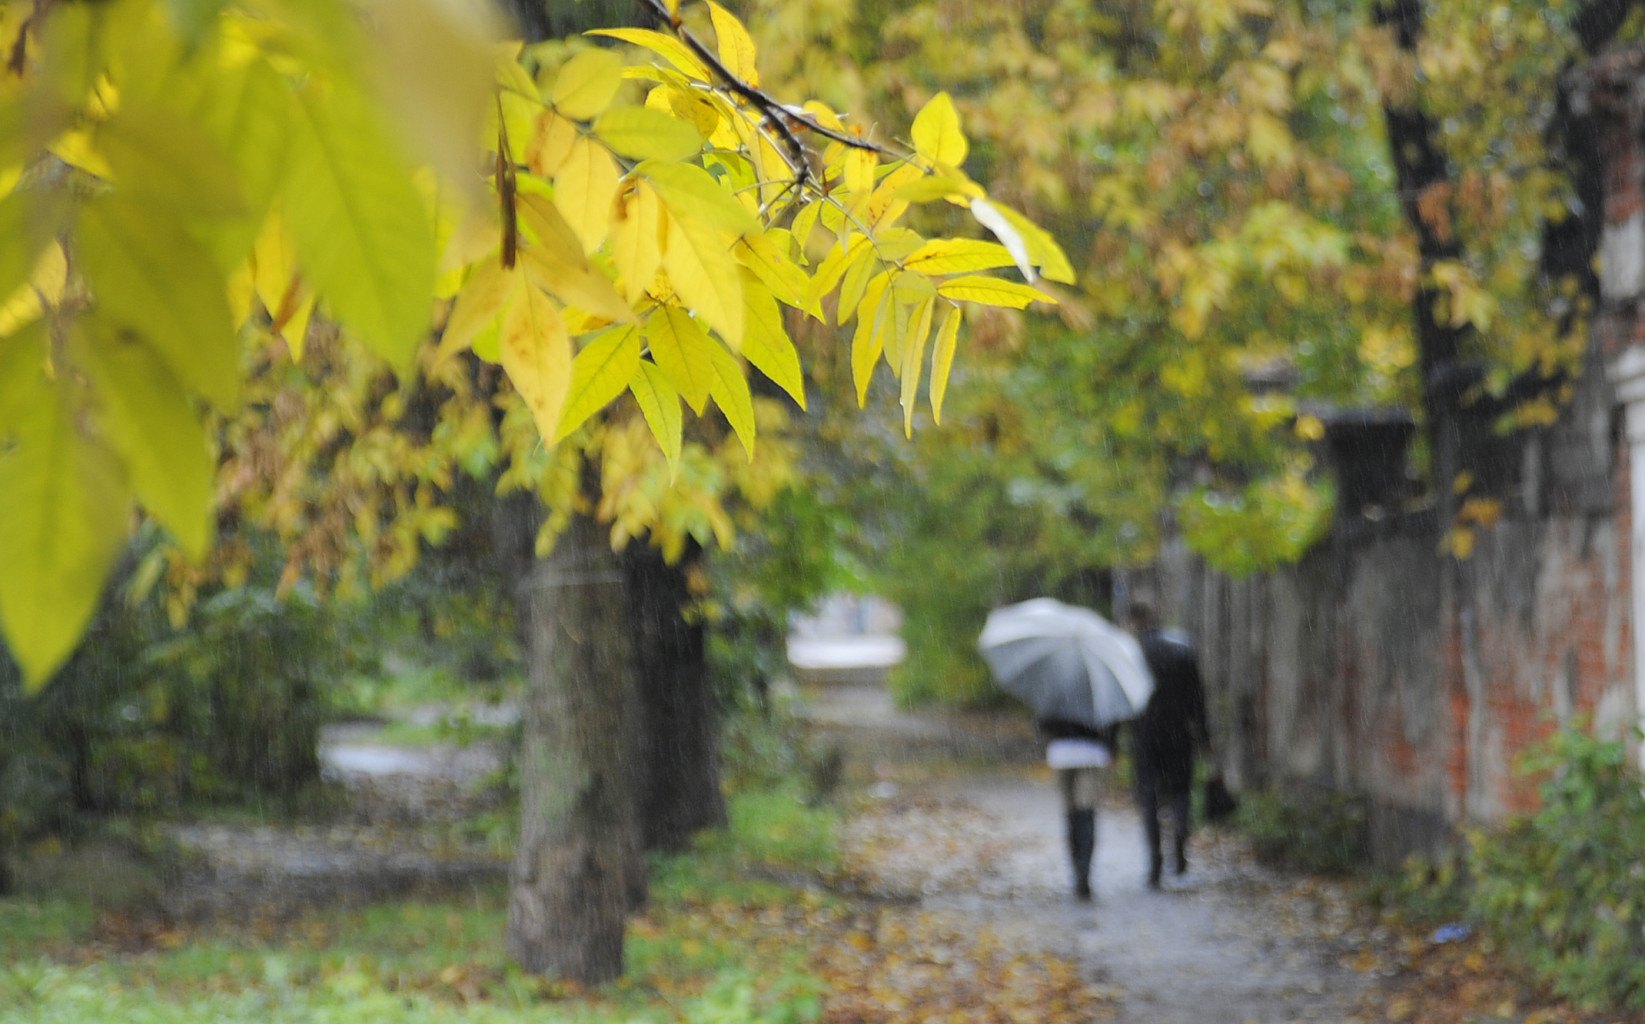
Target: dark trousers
[{"x": 1149, "y": 796}]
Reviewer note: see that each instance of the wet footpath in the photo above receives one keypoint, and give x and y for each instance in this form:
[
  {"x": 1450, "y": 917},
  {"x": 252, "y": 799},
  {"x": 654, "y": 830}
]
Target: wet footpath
[{"x": 961, "y": 820}]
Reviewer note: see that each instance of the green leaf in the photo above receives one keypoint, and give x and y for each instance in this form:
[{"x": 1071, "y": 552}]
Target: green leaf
[
  {"x": 23, "y": 233},
  {"x": 641, "y": 133},
  {"x": 195, "y": 18},
  {"x": 599, "y": 373},
  {"x": 731, "y": 394},
  {"x": 24, "y": 357},
  {"x": 65, "y": 520},
  {"x": 684, "y": 352},
  {"x": 660, "y": 404},
  {"x": 147, "y": 274},
  {"x": 362, "y": 230},
  {"x": 147, "y": 418},
  {"x": 167, "y": 159}
]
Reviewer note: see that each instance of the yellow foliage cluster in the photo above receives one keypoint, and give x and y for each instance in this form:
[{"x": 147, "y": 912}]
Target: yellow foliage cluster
[{"x": 182, "y": 180}]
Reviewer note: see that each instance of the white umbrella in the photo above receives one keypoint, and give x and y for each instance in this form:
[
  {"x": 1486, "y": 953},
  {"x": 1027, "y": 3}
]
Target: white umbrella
[{"x": 1066, "y": 663}]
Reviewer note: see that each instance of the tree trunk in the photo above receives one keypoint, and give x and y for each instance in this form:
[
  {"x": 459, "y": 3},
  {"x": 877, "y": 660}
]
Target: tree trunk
[
  {"x": 572, "y": 871},
  {"x": 679, "y": 728}
]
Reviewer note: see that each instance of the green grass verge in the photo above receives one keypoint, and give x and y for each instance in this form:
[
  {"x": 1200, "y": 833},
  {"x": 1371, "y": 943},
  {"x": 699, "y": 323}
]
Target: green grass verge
[{"x": 722, "y": 943}]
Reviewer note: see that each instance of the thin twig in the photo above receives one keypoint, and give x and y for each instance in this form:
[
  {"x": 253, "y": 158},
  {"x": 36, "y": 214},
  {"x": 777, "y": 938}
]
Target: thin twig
[{"x": 776, "y": 113}]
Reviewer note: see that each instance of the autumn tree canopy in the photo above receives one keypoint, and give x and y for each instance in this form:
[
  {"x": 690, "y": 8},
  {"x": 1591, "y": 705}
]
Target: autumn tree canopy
[{"x": 185, "y": 182}]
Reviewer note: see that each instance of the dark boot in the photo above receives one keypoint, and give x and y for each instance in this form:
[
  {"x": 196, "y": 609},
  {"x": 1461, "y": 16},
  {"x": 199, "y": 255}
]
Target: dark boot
[
  {"x": 1179, "y": 811},
  {"x": 1082, "y": 843}
]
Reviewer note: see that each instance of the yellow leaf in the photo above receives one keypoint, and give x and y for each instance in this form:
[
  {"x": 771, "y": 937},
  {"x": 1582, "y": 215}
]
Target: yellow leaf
[
  {"x": 908, "y": 290},
  {"x": 958, "y": 256},
  {"x": 682, "y": 349},
  {"x": 292, "y": 326},
  {"x": 536, "y": 353},
  {"x": 805, "y": 222},
  {"x": 686, "y": 106},
  {"x": 736, "y": 49},
  {"x": 478, "y": 305},
  {"x": 691, "y": 193},
  {"x": 858, "y": 171},
  {"x": 76, "y": 149},
  {"x": 913, "y": 358},
  {"x": 854, "y": 281},
  {"x": 660, "y": 404},
  {"x": 937, "y": 135},
  {"x": 665, "y": 46},
  {"x": 273, "y": 263},
  {"x": 48, "y": 279},
  {"x": 700, "y": 267},
  {"x": 731, "y": 394},
  {"x": 942, "y": 360},
  {"x": 766, "y": 343},
  {"x": 552, "y": 136},
  {"x": 642, "y": 133},
  {"x": 833, "y": 267},
  {"x": 944, "y": 185},
  {"x": 602, "y": 371},
  {"x": 773, "y": 267},
  {"x": 637, "y": 239},
  {"x": 1043, "y": 250},
  {"x": 557, "y": 265},
  {"x": 869, "y": 340},
  {"x": 888, "y": 203},
  {"x": 587, "y": 84},
  {"x": 991, "y": 291},
  {"x": 584, "y": 190}
]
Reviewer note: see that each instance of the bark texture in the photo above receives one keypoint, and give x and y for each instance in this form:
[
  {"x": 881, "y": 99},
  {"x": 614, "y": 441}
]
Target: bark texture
[
  {"x": 573, "y": 869},
  {"x": 679, "y": 735}
]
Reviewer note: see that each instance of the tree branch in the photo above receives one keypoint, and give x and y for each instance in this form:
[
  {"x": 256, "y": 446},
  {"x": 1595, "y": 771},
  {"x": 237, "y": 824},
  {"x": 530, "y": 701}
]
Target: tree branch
[{"x": 780, "y": 116}]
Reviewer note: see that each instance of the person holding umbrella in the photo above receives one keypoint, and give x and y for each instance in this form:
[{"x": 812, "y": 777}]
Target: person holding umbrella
[
  {"x": 1077, "y": 754},
  {"x": 1081, "y": 676},
  {"x": 1170, "y": 727}
]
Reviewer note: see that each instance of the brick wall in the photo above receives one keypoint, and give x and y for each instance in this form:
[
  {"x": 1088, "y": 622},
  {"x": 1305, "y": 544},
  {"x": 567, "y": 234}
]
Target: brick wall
[{"x": 1380, "y": 667}]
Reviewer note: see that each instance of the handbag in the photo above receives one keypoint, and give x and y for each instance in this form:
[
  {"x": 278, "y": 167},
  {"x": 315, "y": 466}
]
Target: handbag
[{"x": 1219, "y": 802}]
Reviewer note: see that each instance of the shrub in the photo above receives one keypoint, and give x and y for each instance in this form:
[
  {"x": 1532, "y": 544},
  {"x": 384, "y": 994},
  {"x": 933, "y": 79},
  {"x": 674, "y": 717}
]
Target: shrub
[
  {"x": 148, "y": 718},
  {"x": 1317, "y": 831},
  {"x": 1563, "y": 890}
]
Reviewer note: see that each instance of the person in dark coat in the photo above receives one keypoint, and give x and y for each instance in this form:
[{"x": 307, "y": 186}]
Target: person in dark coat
[
  {"x": 1166, "y": 735},
  {"x": 1077, "y": 754}
]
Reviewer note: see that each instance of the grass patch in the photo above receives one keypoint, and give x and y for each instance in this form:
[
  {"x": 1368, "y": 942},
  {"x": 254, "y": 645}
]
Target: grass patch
[{"x": 716, "y": 914}]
